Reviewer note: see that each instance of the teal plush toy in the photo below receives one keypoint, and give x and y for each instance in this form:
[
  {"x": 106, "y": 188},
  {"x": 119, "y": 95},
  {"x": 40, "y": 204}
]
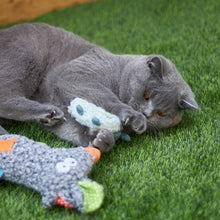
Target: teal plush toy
[{"x": 96, "y": 118}]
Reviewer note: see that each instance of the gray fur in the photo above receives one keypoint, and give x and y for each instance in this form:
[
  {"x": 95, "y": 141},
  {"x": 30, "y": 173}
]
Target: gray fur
[{"x": 42, "y": 68}]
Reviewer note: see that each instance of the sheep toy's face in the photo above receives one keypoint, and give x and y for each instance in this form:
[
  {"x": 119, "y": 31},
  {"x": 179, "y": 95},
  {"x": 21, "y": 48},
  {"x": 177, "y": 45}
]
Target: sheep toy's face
[{"x": 64, "y": 165}]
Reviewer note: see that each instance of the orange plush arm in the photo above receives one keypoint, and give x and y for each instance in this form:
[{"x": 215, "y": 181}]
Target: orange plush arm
[{"x": 96, "y": 153}]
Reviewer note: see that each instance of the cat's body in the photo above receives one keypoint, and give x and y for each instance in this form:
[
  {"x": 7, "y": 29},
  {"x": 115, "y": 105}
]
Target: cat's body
[{"x": 42, "y": 68}]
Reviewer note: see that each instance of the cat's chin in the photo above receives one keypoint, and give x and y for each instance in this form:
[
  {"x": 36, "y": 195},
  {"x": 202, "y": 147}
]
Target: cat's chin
[{"x": 152, "y": 129}]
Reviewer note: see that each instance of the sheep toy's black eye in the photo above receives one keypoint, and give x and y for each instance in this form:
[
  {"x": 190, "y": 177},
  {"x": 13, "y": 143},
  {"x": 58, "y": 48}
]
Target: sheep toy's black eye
[{"x": 146, "y": 96}]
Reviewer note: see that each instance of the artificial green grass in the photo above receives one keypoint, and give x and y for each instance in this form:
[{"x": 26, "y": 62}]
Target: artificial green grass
[{"x": 174, "y": 174}]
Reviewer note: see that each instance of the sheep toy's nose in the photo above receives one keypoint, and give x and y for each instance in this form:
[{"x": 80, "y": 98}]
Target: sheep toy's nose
[{"x": 60, "y": 201}]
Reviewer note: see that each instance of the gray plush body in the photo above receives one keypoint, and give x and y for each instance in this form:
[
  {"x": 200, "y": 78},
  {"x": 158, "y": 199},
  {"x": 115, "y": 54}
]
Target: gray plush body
[
  {"x": 42, "y": 68},
  {"x": 35, "y": 165}
]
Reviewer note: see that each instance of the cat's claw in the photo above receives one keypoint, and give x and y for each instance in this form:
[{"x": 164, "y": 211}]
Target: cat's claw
[
  {"x": 104, "y": 140},
  {"x": 126, "y": 121},
  {"x": 53, "y": 118},
  {"x": 136, "y": 120},
  {"x": 139, "y": 130}
]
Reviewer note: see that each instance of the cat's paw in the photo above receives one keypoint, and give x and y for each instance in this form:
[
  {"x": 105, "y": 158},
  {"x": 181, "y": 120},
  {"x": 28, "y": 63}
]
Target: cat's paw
[
  {"x": 135, "y": 120},
  {"x": 104, "y": 140},
  {"x": 52, "y": 117}
]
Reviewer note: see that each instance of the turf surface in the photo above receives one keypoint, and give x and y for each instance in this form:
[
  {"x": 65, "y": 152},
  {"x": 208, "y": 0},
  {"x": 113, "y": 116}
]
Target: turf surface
[{"x": 174, "y": 174}]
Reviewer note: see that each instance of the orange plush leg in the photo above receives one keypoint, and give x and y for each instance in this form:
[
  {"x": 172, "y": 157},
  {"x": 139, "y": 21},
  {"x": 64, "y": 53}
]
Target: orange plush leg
[{"x": 6, "y": 145}]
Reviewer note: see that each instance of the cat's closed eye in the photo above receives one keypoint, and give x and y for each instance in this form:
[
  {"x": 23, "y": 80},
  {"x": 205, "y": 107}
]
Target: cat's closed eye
[
  {"x": 161, "y": 114},
  {"x": 146, "y": 96}
]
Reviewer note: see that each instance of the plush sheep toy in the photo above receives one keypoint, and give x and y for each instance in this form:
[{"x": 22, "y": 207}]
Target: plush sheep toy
[
  {"x": 59, "y": 174},
  {"x": 96, "y": 118}
]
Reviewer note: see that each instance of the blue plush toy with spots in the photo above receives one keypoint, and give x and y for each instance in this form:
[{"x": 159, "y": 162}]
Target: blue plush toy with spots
[{"x": 96, "y": 117}]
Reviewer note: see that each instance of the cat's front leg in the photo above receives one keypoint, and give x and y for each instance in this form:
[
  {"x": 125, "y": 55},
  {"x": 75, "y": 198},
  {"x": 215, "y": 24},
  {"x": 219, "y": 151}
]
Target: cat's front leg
[
  {"x": 23, "y": 109},
  {"x": 132, "y": 120},
  {"x": 78, "y": 134}
]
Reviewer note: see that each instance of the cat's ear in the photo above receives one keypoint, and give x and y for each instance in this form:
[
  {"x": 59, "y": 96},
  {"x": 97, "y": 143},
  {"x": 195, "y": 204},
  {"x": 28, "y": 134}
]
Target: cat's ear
[
  {"x": 188, "y": 102},
  {"x": 156, "y": 65}
]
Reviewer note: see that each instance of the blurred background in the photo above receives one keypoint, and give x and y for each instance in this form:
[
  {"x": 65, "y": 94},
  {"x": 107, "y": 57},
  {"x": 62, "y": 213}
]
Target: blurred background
[{"x": 20, "y": 10}]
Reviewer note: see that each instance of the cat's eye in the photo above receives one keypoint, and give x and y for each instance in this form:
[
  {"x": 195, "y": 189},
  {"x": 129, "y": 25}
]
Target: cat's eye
[
  {"x": 161, "y": 114},
  {"x": 146, "y": 96}
]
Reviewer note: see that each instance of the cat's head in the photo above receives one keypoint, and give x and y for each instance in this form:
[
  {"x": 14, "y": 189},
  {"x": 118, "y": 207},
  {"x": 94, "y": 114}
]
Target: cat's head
[{"x": 155, "y": 88}]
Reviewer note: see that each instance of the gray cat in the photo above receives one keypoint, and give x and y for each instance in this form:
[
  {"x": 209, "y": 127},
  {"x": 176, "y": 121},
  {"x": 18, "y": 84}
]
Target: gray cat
[{"x": 42, "y": 68}]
